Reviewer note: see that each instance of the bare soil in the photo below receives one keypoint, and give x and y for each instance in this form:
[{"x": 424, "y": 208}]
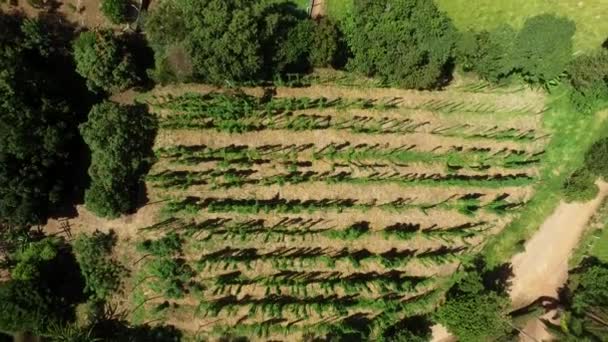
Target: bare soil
[{"x": 543, "y": 267}]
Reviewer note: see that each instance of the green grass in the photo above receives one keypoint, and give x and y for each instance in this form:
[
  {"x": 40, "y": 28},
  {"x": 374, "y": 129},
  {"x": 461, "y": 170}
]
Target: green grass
[
  {"x": 589, "y": 15},
  {"x": 600, "y": 247},
  {"x": 338, "y": 9},
  {"x": 572, "y": 133}
]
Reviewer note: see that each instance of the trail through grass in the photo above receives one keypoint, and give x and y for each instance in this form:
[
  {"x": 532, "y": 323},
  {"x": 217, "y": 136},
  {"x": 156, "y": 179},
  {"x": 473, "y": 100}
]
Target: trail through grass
[{"x": 573, "y": 133}]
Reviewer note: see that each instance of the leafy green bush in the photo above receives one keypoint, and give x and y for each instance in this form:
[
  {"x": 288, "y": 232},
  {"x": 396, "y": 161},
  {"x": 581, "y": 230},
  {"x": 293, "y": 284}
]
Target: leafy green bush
[
  {"x": 102, "y": 274},
  {"x": 596, "y": 158},
  {"x": 325, "y": 49},
  {"x": 580, "y": 186},
  {"x": 120, "y": 139},
  {"x": 588, "y": 76},
  {"x": 103, "y": 60},
  {"x": 488, "y": 53},
  {"x": 405, "y": 43},
  {"x": 31, "y": 259},
  {"x": 543, "y": 48},
  {"x": 220, "y": 41},
  {"x": 115, "y": 10}
]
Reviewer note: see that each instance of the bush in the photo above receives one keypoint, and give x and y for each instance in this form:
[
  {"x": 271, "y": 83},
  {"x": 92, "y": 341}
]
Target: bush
[
  {"x": 325, "y": 49},
  {"x": 103, "y": 60},
  {"x": 120, "y": 139},
  {"x": 596, "y": 159},
  {"x": 580, "y": 186},
  {"x": 102, "y": 274},
  {"x": 588, "y": 75},
  {"x": 115, "y": 10},
  {"x": 489, "y": 54},
  {"x": 543, "y": 48},
  {"x": 405, "y": 43},
  {"x": 219, "y": 41}
]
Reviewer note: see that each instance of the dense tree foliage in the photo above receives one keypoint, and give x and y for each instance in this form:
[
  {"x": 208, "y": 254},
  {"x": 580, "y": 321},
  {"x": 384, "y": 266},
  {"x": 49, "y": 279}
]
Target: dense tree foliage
[
  {"x": 220, "y": 41},
  {"x": 586, "y": 316},
  {"x": 405, "y": 43},
  {"x": 326, "y": 44},
  {"x": 115, "y": 10},
  {"x": 120, "y": 139},
  {"x": 488, "y": 53},
  {"x": 588, "y": 76},
  {"x": 543, "y": 47},
  {"x": 101, "y": 273},
  {"x": 44, "y": 288},
  {"x": 103, "y": 59},
  {"x": 37, "y": 124},
  {"x": 474, "y": 313},
  {"x": 580, "y": 186}
]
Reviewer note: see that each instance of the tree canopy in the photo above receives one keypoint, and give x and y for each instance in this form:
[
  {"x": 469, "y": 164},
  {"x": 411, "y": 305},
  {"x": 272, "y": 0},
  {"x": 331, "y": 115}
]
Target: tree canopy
[
  {"x": 220, "y": 41},
  {"x": 104, "y": 61},
  {"x": 37, "y": 122},
  {"x": 101, "y": 273},
  {"x": 543, "y": 47},
  {"x": 405, "y": 43},
  {"x": 120, "y": 139}
]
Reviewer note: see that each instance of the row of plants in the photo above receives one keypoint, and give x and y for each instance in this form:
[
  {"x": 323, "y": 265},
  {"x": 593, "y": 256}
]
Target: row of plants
[
  {"x": 467, "y": 204},
  {"x": 244, "y": 155},
  {"x": 230, "y": 178}
]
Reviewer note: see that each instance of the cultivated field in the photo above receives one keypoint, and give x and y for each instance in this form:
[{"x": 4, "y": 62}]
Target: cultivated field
[{"x": 299, "y": 214}]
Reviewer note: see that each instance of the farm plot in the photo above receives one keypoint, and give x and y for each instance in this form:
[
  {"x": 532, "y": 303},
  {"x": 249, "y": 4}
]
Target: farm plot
[{"x": 295, "y": 215}]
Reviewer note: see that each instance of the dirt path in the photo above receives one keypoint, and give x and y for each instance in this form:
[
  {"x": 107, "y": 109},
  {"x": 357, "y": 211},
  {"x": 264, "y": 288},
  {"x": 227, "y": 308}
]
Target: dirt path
[
  {"x": 318, "y": 9},
  {"x": 543, "y": 267}
]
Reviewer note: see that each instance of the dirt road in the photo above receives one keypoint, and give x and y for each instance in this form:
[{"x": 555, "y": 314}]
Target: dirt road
[
  {"x": 318, "y": 9},
  {"x": 543, "y": 267}
]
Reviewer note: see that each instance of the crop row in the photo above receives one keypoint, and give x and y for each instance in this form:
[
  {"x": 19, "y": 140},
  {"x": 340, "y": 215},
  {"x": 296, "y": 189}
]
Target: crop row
[
  {"x": 455, "y": 157},
  {"x": 466, "y": 204}
]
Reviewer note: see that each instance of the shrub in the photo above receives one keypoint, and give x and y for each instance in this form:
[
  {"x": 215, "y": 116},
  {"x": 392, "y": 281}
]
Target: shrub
[
  {"x": 325, "y": 49},
  {"x": 488, "y": 53},
  {"x": 596, "y": 158},
  {"x": 103, "y": 60},
  {"x": 588, "y": 75},
  {"x": 405, "y": 43},
  {"x": 115, "y": 10},
  {"x": 580, "y": 186},
  {"x": 543, "y": 48},
  {"x": 102, "y": 274},
  {"x": 120, "y": 139}
]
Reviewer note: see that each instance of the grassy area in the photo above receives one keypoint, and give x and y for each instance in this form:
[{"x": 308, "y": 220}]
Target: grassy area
[
  {"x": 573, "y": 133},
  {"x": 600, "y": 247},
  {"x": 589, "y": 15},
  {"x": 592, "y": 26},
  {"x": 338, "y": 9}
]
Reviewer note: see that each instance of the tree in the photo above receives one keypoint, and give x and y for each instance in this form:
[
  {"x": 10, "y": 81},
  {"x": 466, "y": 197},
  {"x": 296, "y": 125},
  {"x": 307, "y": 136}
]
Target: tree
[
  {"x": 543, "y": 47},
  {"x": 596, "y": 159},
  {"x": 474, "y": 313},
  {"x": 30, "y": 260},
  {"x": 120, "y": 139},
  {"x": 220, "y": 41},
  {"x": 94, "y": 255},
  {"x": 488, "y": 53},
  {"x": 580, "y": 186},
  {"x": 115, "y": 10},
  {"x": 325, "y": 49},
  {"x": 37, "y": 123},
  {"x": 406, "y": 43},
  {"x": 103, "y": 60},
  {"x": 588, "y": 76}
]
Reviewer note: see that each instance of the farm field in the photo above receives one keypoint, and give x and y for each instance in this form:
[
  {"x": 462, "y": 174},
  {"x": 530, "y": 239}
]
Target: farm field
[{"x": 299, "y": 215}]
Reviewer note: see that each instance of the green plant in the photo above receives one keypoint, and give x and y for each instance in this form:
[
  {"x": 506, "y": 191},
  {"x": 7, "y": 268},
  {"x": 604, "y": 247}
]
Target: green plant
[
  {"x": 115, "y": 10},
  {"x": 103, "y": 60}
]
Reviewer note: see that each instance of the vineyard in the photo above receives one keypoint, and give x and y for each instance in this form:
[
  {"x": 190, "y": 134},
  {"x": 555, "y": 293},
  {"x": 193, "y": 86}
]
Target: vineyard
[{"x": 325, "y": 209}]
